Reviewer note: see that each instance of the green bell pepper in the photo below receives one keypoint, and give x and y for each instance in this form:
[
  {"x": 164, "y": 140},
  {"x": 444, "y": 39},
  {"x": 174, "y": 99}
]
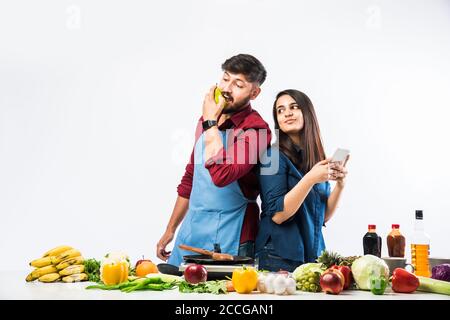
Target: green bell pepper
[{"x": 378, "y": 285}]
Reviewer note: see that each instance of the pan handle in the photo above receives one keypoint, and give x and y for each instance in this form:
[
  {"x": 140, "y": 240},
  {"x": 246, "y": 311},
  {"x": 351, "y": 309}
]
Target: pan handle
[{"x": 196, "y": 250}]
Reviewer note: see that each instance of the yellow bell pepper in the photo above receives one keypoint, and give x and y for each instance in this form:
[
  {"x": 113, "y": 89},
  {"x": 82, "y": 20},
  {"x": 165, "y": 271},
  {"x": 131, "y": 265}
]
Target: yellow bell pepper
[
  {"x": 244, "y": 279},
  {"x": 114, "y": 272}
]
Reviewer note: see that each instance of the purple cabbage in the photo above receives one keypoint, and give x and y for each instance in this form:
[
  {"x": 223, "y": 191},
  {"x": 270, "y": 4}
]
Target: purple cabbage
[{"x": 441, "y": 272}]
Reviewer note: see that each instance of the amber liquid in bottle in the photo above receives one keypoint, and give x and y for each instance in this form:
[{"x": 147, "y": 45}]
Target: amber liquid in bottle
[
  {"x": 420, "y": 248},
  {"x": 419, "y": 259}
]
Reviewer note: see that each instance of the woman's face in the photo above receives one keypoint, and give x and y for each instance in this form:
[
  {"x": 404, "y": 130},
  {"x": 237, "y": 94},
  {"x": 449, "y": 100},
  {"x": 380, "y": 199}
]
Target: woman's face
[{"x": 289, "y": 115}]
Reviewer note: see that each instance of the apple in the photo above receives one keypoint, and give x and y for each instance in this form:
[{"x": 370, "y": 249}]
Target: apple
[
  {"x": 195, "y": 273},
  {"x": 140, "y": 261},
  {"x": 332, "y": 281},
  {"x": 347, "y": 273},
  {"x": 144, "y": 267}
]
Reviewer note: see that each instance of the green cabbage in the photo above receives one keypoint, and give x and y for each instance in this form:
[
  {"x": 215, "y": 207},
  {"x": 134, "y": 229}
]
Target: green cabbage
[{"x": 366, "y": 267}]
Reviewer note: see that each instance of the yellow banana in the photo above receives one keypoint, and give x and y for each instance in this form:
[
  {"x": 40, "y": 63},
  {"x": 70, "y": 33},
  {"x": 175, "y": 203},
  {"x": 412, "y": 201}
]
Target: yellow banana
[
  {"x": 51, "y": 277},
  {"x": 75, "y": 277},
  {"x": 72, "y": 270},
  {"x": 37, "y": 273},
  {"x": 68, "y": 262},
  {"x": 30, "y": 277},
  {"x": 41, "y": 262},
  {"x": 56, "y": 251},
  {"x": 71, "y": 253}
]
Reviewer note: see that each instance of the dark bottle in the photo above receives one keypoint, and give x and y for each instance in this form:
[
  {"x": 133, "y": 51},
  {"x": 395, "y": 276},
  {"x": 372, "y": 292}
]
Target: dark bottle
[
  {"x": 396, "y": 242},
  {"x": 372, "y": 242}
]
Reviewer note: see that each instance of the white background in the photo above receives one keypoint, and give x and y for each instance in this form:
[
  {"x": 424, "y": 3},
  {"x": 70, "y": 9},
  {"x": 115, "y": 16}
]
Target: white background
[{"x": 99, "y": 101}]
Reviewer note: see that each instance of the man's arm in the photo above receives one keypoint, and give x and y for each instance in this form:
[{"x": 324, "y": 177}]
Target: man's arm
[
  {"x": 231, "y": 163},
  {"x": 185, "y": 187},
  {"x": 178, "y": 213},
  {"x": 213, "y": 142},
  {"x": 181, "y": 204},
  {"x": 212, "y": 111}
]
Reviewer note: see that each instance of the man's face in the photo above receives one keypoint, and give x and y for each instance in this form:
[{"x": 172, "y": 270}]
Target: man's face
[{"x": 237, "y": 91}]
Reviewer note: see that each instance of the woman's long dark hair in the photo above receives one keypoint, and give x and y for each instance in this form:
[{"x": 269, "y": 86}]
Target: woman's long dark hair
[{"x": 310, "y": 138}]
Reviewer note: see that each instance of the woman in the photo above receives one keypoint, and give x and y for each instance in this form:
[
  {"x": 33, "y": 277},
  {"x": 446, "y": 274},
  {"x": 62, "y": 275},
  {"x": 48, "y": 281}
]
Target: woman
[{"x": 296, "y": 199}]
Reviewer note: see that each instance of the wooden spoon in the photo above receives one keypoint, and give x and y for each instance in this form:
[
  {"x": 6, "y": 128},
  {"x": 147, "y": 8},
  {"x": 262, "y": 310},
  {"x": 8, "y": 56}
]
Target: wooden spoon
[{"x": 214, "y": 255}]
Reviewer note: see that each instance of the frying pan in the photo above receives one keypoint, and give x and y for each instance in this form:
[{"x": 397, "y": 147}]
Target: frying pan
[{"x": 207, "y": 259}]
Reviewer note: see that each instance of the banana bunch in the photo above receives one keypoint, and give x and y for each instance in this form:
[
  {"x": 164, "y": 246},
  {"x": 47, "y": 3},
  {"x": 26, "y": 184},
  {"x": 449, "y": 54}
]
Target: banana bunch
[{"x": 61, "y": 263}]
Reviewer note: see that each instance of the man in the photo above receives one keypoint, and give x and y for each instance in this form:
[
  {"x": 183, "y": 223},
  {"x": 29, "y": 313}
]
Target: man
[{"x": 217, "y": 194}]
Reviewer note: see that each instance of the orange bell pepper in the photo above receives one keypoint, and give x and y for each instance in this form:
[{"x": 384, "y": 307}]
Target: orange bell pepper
[
  {"x": 114, "y": 273},
  {"x": 244, "y": 280}
]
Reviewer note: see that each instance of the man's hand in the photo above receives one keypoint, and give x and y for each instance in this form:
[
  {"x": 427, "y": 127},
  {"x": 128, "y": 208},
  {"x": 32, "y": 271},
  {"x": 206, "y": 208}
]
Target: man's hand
[
  {"x": 161, "y": 246},
  {"x": 211, "y": 110}
]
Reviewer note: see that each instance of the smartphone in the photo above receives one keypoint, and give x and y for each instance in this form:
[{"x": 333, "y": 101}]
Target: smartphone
[{"x": 340, "y": 155}]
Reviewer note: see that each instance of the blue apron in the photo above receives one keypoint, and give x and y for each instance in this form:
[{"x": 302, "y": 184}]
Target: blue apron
[{"x": 215, "y": 214}]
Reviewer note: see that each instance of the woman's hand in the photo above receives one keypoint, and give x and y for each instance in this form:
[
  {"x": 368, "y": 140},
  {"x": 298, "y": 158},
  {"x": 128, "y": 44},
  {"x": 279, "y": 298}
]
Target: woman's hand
[
  {"x": 338, "y": 172},
  {"x": 320, "y": 172}
]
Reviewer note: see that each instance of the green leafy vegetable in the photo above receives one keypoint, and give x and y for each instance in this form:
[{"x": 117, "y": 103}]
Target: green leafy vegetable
[
  {"x": 92, "y": 269},
  {"x": 214, "y": 287}
]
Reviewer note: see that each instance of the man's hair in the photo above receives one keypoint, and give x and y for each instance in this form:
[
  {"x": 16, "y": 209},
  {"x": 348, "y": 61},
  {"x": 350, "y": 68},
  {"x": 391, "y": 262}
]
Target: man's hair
[{"x": 248, "y": 65}]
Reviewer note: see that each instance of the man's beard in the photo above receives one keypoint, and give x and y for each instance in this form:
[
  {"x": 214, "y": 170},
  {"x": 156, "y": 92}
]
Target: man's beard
[{"x": 235, "y": 106}]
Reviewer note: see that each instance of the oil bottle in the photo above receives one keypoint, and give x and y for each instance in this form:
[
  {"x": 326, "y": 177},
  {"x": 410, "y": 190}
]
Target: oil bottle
[{"x": 420, "y": 247}]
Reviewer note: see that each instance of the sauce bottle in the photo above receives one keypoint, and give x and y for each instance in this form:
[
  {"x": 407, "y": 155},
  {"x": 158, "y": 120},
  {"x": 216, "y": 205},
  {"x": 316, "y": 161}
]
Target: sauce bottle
[
  {"x": 396, "y": 242},
  {"x": 372, "y": 242}
]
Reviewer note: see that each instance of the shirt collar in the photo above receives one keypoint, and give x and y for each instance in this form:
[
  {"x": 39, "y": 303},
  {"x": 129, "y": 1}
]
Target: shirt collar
[{"x": 299, "y": 152}]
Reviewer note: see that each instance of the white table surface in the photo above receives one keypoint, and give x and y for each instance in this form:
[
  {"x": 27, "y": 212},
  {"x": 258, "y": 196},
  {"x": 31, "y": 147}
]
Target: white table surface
[{"x": 14, "y": 286}]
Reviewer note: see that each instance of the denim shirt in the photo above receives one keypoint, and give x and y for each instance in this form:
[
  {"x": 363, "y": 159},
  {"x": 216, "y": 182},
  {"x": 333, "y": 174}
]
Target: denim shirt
[{"x": 300, "y": 237}]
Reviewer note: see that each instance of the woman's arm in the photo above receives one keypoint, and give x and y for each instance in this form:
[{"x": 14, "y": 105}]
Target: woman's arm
[
  {"x": 333, "y": 200},
  {"x": 295, "y": 197},
  {"x": 339, "y": 172}
]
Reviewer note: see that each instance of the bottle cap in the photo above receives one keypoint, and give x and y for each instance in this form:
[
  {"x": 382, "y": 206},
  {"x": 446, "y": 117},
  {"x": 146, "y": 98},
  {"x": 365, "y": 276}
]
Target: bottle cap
[
  {"x": 419, "y": 215},
  {"x": 372, "y": 226},
  {"x": 395, "y": 226}
]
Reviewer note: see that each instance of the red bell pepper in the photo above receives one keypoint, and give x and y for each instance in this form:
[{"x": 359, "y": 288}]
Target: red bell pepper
[
  {"x": 347, "y": 272},
  {"x": 404, "y": 281}
]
